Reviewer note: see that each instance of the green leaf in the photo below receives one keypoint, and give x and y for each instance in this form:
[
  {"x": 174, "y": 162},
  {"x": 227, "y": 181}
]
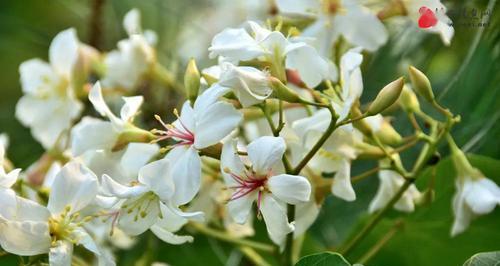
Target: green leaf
[
  {"x": 323, "y": 259},
  {"x": 484, "y": 259}
]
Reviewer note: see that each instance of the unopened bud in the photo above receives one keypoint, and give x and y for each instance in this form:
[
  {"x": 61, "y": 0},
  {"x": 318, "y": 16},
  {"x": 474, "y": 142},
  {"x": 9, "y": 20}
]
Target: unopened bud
[
  {"x": 408, "y": 100},
  {"x": 133, "y": 134},
  {"x": 421, "y": 84},
  {"x": 192, "y": 81},
  {"x": 388, "y": 135},
  {"x": 386, "y": 97},
  {"x": 282, "y": 92}
]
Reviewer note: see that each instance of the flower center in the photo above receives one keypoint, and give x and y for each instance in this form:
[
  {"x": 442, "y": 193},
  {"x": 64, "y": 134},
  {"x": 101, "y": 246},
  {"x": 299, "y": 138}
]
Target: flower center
[
  {"x": 180, "y": 133},
  {"x": 141, "y": 205},
  {"x": 62, "y": 227},
  {"x": 247, "y": 184}
]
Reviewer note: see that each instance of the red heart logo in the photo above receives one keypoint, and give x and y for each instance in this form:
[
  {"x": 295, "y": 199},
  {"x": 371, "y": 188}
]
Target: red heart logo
[{"x": 427, "y": 18}]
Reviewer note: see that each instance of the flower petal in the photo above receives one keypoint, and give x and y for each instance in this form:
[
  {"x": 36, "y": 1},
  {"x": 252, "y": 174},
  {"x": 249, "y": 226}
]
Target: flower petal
[
  {"x": 311, "y": 66},
  {"x": 112, "y": 188},
  {"x": 215, "y": 123},
  {"x": 265, "y": 152},
  {"x": 131, "y": 107},
  {"x": 186, "y": 173},
  {"x": 63, "y": 51},
  {"x": 235, "y": 44},
  {"x": 92, "y": 134},
  {"x": 482, "y": 195},
  {"x": 275, "y": 216},
  {"x": 97, "y": 100},
  {"x": 61, "y": 253},
  {"x": 37, "y": 77},
  {"x": 231, "y": 160},
  {"x": 170, "y": 237},
  {"x": 157, "y": 177},
  {"x": 341, "y": 186},
  {"x": 24, "y": 238},
  {"x": 240, "y": 208},
  {"x": 292, "y": 189},
  {"x": 132, "y": 22},
  {"x": 75, "y": 186},
  {"x": 136, "y": 156},
  {"x": 139, "y": 219}
]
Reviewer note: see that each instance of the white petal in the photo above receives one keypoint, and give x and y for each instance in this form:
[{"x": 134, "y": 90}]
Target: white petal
[
  {"x": 132, "y": 22},
  {"x": 130, "y": 108},
  {"x": 305, "y": 215},
  {"x": 171, "y": 220},
  {"x": 311, "y": 66},
  {"x": 97, "y": 100},
  {"x": 341, "y": 186},
  {"x": 170, "y": 237},
  {"x": 231, "y": 160},
  {"x": 276, "y": 219},
  {"x": 136, "y": 156},
  {"x": 8, "y": 180},
  {"x": 37, "y": 77},
  {"x": 265, "y": 152},
  {"x": 361, "y": 28},
  {"x": 186, "y": 173},
  {"x": 84, "y": 239},
  {"x": 75, "y": 186},
  {"x": 209, "y": 97},
  {"x": 235, "y": 44},
  {"x": 24, "y": 238},
  {"x": 133, "y": 223},
  {"x": 157, "y": 177},
  {"x": 462, "y": 213},
  {"x": 61, "y": 253},
  {"x": 63, "y": 51},
  {"x": 187, "y": 117},
  {"x": 240, "y": 208},
  {"x": 301, "y": 8},
  {"x": 215, "y": 123},
  {"x": 482, "y": 195},
  {"x": 292, "y": 189},
  {"x": 92, "y": 134},
  {"x": 112, "y": 188}
]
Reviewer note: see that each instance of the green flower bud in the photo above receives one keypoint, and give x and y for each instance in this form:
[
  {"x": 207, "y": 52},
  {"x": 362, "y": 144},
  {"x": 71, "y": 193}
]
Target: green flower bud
[
  {"x": 386, "y": 97},
  {"x": 133, "y": 134},
  {"x": 388, "y": 135},
  {"x": 408, "y": 100},
  {"x": 282, "y": 92},
  {"x": 192, "y": 81},
  {"x": 421, "y": 84}
]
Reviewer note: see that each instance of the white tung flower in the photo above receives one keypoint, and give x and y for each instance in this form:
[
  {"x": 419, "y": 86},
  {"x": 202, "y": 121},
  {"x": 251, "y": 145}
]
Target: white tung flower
[
  {"x": 335, "y": 155},
  {"x": 150, "y": 203},
  {"x": 27, "y": 228},
  {"x": 475, "y": 194},
  {"x": 198, "y": 127},
  {"x": 390, "y": 183},
  {"x": 262, "y": 183},
  {"x": 126, "y": 66},
  {"x": 7, "y": 180},
  {"x": 96, "y": 134},
  {"x": 49, "y": 105},
  {"x": 335, "y": 18},
  {"x": 236, "y": 45}
]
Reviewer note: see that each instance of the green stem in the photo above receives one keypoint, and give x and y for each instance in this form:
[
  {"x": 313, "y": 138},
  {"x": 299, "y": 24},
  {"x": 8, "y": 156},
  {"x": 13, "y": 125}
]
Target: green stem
[
  {"x": 381, "y": 242},
  {"x": 253, "y": 256},
  {"x": 288, "y": 255},
  {"x": 231, "y": 239}
]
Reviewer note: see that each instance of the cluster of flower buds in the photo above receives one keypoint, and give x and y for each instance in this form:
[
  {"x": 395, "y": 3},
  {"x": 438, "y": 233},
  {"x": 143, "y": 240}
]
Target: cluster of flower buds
[{"x": 268, "y": 132}]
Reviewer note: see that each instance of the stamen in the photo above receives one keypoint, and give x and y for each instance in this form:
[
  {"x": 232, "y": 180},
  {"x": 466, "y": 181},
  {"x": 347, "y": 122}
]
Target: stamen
[
  {"x": 249, "y": 183},
  {"x": 181, "y": 134}
]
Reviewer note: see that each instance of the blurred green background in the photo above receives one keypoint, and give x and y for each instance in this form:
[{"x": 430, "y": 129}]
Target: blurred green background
[{"x": 468, "y": 70}]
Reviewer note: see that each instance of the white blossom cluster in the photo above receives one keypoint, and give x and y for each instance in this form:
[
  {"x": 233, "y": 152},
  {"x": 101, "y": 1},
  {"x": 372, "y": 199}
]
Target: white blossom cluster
[{"x": 272, "y": 127}]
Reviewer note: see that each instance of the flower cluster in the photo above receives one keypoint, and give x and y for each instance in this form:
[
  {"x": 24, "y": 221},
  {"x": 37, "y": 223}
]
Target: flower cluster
[{"x": 266, "y": 133}]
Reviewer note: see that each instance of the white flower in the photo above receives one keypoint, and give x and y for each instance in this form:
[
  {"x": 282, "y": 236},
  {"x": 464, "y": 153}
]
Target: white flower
[
  {"x": 28, "y": 228},
  {"x": 126, "y": 66},
  {"x": 333, "y": 19},
  {"x": 49, "y": 105},
  {"x": 260, "y": 182},
  {"x": 390, "y": 183},
  {"x": 442, "y": 27},
  {"x": 198, "y": 127},
  {"x": 7, "y": 180},
  {"x": 474, "y": 196},
  {"x": 236, "y": 45},
  {"x": 150, "y": 203},
  {"x": 250, "y": 85},
  {"x": 96, "y": 134},
  {"x": 335, "y": 155}
]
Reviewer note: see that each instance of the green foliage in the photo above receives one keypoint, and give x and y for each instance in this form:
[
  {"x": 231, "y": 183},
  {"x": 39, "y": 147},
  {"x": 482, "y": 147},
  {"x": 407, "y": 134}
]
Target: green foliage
[
  {"x": 323, "y": 259},
  {"x": 484, "y": 259},
  {"x": 425, "y": 235}
]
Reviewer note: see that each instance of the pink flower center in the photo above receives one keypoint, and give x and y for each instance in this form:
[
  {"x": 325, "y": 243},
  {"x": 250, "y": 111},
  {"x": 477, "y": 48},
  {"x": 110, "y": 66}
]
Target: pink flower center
[
  {"x": 181, "y": 133},
  {"x": 249, "y": 183}
]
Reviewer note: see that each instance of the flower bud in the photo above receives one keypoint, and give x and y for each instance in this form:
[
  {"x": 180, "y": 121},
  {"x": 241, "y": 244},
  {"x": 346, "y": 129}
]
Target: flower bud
[
  {"x": 386, "y": 97},
  {"x": 388, "y": 135},
  {"x": 282, "y": 92},
  {"x": 192, "y": 81},
  {"x": 133, "y": 134},
  {"x": 421, "y": 84},
  {"x": 408, "y": 100}
]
